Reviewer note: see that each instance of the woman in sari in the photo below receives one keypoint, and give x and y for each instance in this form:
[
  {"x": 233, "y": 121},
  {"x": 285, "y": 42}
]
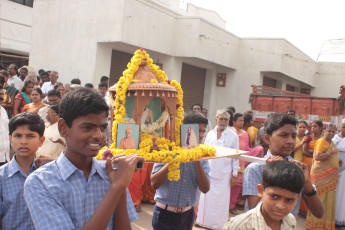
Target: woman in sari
[
  {"x": 23, "y": 97},
  {"x": 339, "y": 141},
  {"x": 245, "y": 144},
  {"x": 190, "y": 140},
  {"x": 300, "y": 140},
  {"x": 324, "y": 175},
  {"x": 308, "y": 151},
  {"x": 36, "y": 105}
]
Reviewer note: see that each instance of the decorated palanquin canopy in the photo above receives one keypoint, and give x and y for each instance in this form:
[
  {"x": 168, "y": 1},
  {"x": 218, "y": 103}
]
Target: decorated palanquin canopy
[
  {"x": 145, "y": 86},
  {"x": 144, "y": 96}
]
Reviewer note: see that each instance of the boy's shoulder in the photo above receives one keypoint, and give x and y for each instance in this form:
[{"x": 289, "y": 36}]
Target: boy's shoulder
[
  {"x": 3, "y": 169},
  {"x": 242, "y": 221},
  {"x": 46, "y": 173}
]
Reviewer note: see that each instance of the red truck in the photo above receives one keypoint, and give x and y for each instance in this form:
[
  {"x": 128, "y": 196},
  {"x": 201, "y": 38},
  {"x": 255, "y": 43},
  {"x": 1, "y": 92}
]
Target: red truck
[{"x": 265, "y": 100}]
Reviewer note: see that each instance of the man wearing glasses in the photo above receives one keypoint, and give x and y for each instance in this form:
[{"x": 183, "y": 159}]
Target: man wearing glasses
[
  {"x": 54, "y": 98},
  {"x": 213, "y": 209}
]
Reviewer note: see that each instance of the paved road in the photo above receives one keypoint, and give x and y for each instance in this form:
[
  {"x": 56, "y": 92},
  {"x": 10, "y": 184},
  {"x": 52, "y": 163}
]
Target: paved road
[{"x": 145, "y": 220}]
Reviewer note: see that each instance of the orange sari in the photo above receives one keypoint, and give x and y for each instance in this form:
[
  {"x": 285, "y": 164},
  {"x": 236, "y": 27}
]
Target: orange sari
[{"x": 33, "y": 108}]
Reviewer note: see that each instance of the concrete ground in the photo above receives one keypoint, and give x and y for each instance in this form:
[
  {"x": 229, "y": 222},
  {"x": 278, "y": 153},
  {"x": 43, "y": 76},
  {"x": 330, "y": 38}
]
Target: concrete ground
[{"x": 145, "y": 219}]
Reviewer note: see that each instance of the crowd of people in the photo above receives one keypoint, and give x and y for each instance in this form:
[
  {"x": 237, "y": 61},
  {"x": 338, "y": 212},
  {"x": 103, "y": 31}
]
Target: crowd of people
[{"x": 68, "y": 124}]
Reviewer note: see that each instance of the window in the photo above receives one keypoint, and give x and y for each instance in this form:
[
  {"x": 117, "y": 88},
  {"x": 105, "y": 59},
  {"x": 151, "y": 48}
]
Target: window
[
  {"x": 290, "y": 88},
  {"x": 305, "y": 91},
  {"x": 269, "y": 82},
  {"x": 24, "y": 2}
]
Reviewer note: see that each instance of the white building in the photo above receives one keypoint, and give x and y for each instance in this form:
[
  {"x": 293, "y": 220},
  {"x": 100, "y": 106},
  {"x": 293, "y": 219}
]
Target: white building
[
  {"x": 88, "y": 39},
  {"x": 15, "y": 31}
]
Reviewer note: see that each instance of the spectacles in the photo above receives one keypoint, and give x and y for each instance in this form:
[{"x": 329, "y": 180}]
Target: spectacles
[
  {"x": 52, "y": 101},
  {"x": 223, "y": 119}
]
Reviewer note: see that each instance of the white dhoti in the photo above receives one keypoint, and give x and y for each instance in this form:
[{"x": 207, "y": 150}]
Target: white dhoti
[{"x": 213, "y": 211}]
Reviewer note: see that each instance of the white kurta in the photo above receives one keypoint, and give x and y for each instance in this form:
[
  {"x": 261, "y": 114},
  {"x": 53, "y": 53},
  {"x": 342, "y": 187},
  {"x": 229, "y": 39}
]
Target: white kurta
[
  {"x": 213, "y": 211},
  {"x": 50, "y": 148},
  {"x": 4, "y": 137},
  {"x": 340, "y": 201}
]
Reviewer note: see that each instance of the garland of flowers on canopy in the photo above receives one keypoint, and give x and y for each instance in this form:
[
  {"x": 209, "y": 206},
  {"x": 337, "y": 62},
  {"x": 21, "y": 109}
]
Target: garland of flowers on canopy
[{"x": 160, "y": 150}]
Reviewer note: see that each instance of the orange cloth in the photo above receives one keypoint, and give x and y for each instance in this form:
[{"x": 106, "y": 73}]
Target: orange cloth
[
  {"x": 148, "y": 193},
  {"x": 33, "y": 108},
  {"x": 135, "y": 186},
  {"x": 303, "y": 208}
]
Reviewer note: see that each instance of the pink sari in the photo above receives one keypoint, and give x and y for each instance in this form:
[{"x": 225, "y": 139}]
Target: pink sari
[{"x": 258, "y": 151}]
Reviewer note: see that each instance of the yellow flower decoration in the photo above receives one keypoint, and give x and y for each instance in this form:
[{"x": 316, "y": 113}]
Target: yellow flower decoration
[{"x": 160, "y": 149}]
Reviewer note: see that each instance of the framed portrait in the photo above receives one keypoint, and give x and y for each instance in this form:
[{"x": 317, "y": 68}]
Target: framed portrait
[
  {"x": 127, "y": 136},
  {"x": 189, "y": 136}
]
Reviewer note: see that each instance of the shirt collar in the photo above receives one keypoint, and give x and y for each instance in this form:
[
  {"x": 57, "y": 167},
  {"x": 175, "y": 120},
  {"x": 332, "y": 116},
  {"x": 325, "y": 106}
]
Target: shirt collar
[
  {"x": 259, "y": 220},
  {"x": 269, "y": 154},
  {"x": 13, "y": 168},
  {"x": 67, "y": 168}
]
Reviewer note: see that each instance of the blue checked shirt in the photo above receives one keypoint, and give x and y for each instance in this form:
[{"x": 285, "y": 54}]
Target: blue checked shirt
[
  {"x": 252, "y": 177},
  {"x": 13, "y": 211},
  {"x": 184, "y": 192},
  {"x": 59, "y": 197}
]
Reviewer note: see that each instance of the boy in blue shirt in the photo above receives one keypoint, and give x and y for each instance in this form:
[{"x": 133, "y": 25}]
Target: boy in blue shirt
[
  {"x": 280, "y": 135},
  {"x": 26, "y": 135},
  {"x": 76, "y": 191},
  {"x": 175, "y": 199}
]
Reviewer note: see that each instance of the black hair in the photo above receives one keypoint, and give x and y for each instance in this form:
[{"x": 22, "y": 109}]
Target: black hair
[
  {"x": 76, "y": 81},
  {"x": 193, "y": 117},
  {"x": 33, "y": 120},
  {"x": 26, "y": 83},
  {"x": 5, "y": 73},
  {"x": 283, "y": 174},
  {"x": 102, "y": 84},
  {"x": 44, "y": 73},
  {"x": 318, "y": 123},
  {"x": 81, "y": 102},
  {"x": 40, "y": 71},
  {"x": 57, "y": 84},
  {"x": 277, "y": 120},
  {"x": 89, "y": 85},
  {"x": 55, "y": 108},
  {"x": 195, "y": 105},
  {"x": 247, "y": 118},
  {"x": 39, "y": 91},
  {"x": 104, "y": 78},
  {"x": 232, "y": 109},
  {"x": 231, "y": 123},
  {"x": 291, "y": 111},
  {"x": 330, "y": 125},
  {"x": 301, "y": 121},
  {"x": 236, "y": 116},
  {"x": 2, "y": 81},
  {"x": 54, "y": 92},
  {"x": 24, "y": 68}
]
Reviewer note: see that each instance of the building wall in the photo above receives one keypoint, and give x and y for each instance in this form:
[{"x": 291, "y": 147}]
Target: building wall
[
  {"x": 15, "y": 27},
  {"x": 77, "y": 38}
]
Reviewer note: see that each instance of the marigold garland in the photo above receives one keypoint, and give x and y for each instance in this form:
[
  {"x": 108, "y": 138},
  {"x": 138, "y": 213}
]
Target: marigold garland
[
  {"x": 165, "y": 152},
  {"x": 152, "y": 149}
]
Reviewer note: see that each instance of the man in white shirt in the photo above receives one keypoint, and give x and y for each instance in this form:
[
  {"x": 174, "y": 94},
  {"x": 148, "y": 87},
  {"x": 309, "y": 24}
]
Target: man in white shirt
[
  {"x": 4, "y": 141},
  {"x": 47, "y": 86},
  {"x": 213, "y": 211},
  {"x": 14, "y": 80}
]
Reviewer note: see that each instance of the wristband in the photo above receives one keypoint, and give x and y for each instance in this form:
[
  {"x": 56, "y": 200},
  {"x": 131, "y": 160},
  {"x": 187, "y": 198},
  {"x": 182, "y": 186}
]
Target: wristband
[{"x": 312, "y": 193}]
